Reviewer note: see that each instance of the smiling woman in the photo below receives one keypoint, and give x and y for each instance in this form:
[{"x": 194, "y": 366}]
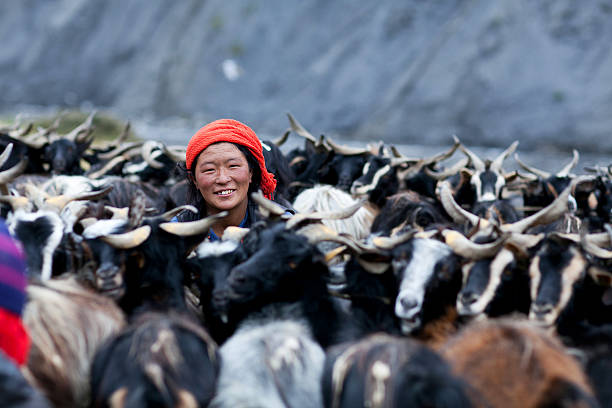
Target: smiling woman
[{"x": 224, "y": 165}]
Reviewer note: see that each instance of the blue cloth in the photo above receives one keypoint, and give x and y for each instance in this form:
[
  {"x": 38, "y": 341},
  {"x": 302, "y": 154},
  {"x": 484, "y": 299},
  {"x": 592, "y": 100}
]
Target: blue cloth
[{"x": 13, "y": 278}]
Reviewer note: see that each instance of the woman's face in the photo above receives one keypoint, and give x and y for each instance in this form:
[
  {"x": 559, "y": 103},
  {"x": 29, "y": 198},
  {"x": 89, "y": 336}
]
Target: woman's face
[{"x": 223, "y": 176}]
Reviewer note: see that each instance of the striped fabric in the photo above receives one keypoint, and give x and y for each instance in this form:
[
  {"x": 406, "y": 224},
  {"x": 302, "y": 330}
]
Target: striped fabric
[{"x": 12, "y": 273}]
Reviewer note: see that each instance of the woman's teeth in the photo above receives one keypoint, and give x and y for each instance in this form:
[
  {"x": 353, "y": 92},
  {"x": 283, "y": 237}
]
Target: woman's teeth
[{"x": 225, "y": 192}]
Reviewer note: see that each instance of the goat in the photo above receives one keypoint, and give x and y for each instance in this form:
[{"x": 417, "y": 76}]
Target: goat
[
  {"x": 274, "y": 364},
  {"x": 511, "y": 363},
  {"x": 408, "y": 210},
  {"x": 66, "y": 323},
  {"x": 324, "y": 198},
  {"x": 155, "y": 249},
  {"x": 387, "y": 371},
  {"x": 159, "y": 360}
]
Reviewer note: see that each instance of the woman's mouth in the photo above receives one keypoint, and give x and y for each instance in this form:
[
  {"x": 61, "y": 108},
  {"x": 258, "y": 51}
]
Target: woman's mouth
[{"x": 224, "y": 192}]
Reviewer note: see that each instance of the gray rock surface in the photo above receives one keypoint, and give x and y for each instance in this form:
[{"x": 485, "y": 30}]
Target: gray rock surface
[{"x": 405, "y": 71}]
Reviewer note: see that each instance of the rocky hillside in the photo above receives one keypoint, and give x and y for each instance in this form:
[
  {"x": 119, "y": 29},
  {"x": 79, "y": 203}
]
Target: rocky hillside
[{"x": 400, "y": 70}]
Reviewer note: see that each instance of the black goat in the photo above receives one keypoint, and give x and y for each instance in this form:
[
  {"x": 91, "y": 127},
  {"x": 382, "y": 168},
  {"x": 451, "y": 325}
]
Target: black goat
[
  {"x": 284, "y": 277},
  {"x": 159, "y": 360},
  {"x": 386, "y": 371}
]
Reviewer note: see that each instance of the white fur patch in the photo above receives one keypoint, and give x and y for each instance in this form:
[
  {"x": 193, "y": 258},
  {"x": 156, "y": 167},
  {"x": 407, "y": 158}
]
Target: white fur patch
[
  {"x": 425, "y": 255},
  {"x": 103, "y": 227},
  {"x": 217, "y": 248}
]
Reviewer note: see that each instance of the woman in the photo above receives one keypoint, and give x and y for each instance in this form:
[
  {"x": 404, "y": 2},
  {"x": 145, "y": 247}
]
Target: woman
[{"x": 224, "y": 165}]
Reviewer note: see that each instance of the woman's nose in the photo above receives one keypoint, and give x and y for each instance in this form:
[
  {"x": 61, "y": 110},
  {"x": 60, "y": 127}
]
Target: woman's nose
[{"x": 223, "y": 176}]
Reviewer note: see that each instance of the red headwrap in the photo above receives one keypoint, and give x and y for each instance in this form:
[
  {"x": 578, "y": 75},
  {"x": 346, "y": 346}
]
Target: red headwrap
[{"x": 229, "y": 130}]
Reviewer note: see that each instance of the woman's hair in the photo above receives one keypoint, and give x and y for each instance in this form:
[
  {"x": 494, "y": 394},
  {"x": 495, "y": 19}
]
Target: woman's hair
[{"x": 194, "y": 197}]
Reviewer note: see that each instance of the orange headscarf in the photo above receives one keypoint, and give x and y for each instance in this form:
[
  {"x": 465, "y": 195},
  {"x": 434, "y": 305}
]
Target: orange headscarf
[{"x": 229, "y": 130}]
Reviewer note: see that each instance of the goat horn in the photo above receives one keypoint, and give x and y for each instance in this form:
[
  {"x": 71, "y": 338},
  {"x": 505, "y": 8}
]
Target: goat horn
[
  {"x": 171, "y": 213},
  {"x": 594, "y": 249},
  {"x": 175, "y": 153},
  {"x": 16, "y": 202},
  {"x": 299, "y": 129},
  {"x": 565, "y": 171},
  {"x": 60, "y": 201},
  {"x": 123, "y": 136},
  {"x": 392, "y": 241},
  {"x": 120, "y": 150},
  {"x": 190, "y": 228},
  {"x": 107, "y": 167},
  {"x": 451, "y": 171},
  {"x": 458, "y": 214},
  {"x": 316, "y": 233},
  {"x": 496, "y": 165},
  {"x": 334, "y": 253},
  {"x": 85, "y": 127},
  {"x": 118, "y": 213},
  {"x": 146, "y": 152},
  {"x": 444, "y": 155},
  {"x": 129, "y": 239},
  {"x": 8, "y": 175},
  {"x": 523, "y": 242},
  {"x": 346, "y": 150},
  {"x": 476, "y": 161},
  {"x": 267, "y": 207},
  {"x": 547, "y": 214},
  {"x": 540, "y": 173},
  {"x": 5, "y": 154},
  {"x": 462, "y": 246},
  {"x": 281, "y": 140},
  {"x": 329, "y": 215}
]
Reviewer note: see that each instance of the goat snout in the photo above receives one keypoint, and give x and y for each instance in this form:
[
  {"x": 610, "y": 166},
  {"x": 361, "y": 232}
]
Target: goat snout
[{"x": 468, "y": 298}]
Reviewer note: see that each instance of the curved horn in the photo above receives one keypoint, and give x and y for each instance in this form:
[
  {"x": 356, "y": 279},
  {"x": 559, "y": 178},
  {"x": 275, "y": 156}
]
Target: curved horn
[
  {"x": 346, "y": 150},
  {"x": 316, "y": 233},
  {"x": 5, "y": 154},
  {"x": 594, "y": 249},
  {"x": 476, "y": 161},
  {"x": 547, "y": 214},
  {"x": 107, "y": 167},
  {"x": 393, "y": 241},
  {"x": 329, "y": 215},
  {"x": 496, "y": 165},
  {"x": 540, "y": 173},
  {"x": 565, "y": 171},
  {"x": 171, "y": 213},
  {"x": 120, "y": 150},
  {"x": 8, "y": 175},
  {"x": 444, "y": 155},
  {"x": 84, "y": 128},
  {"x": 60, "y": 201},
  {"x": 451, "y": 171},
  {"x": 299, "y": 129},
  {"x": 147, "y": 149},
  {"x": 16, "y": 202},
  {"x": 175, "y": 153},
  {"x": 267, "y": 207},
  {"x": 129, "y": 239},
  {"x": 281, "y": 140},
  {"x": 458, "y": 214},
  {"x": 462, "y": 246},
  {"x": 190, "y": 228}
]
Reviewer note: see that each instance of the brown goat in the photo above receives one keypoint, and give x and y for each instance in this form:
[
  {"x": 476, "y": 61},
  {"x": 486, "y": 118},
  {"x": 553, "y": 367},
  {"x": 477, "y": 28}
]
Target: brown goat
[
  {"x": 67, "y": 323},
  {"x": 511, "y": 363}
]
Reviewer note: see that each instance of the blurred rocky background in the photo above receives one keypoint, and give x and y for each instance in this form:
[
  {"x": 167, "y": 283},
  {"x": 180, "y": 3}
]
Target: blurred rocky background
[{"x": 412, "y": 72}]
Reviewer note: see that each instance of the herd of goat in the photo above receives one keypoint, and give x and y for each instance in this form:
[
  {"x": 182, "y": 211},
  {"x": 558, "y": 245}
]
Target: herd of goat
[{"x": 399, "y": 281}]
